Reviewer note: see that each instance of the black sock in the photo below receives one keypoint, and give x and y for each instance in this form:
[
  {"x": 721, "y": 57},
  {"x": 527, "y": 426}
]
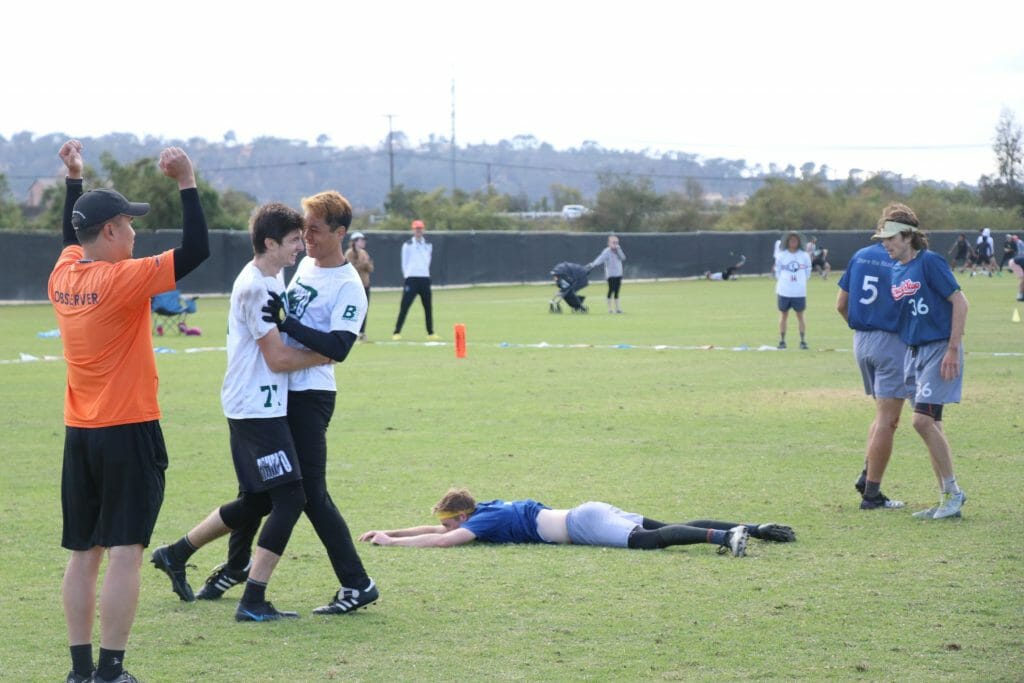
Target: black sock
[
  {"x": 111, "y": 663},
  {"x": 872, "y": 489},
  {"x": 181, "y": 550},
  {"x": 81, "y": 659},
  {"x": 255, "y": 591}
]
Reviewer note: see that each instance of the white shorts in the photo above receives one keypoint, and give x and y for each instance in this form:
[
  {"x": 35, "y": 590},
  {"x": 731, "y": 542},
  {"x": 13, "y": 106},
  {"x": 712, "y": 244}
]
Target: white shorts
[{"x": 601, "y": 524}]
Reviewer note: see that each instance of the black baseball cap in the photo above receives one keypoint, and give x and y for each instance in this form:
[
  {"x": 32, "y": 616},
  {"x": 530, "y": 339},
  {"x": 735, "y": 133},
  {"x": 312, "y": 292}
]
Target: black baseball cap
[{"x": 96, "y": 207}]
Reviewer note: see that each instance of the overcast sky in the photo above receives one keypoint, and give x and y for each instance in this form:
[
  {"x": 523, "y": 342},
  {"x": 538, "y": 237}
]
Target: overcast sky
[{"x": 915, "y": 88}]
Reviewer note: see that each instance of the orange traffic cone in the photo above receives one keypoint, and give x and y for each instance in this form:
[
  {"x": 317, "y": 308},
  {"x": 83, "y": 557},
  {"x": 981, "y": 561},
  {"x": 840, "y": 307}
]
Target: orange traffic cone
[{"x": 460, "y": 340}]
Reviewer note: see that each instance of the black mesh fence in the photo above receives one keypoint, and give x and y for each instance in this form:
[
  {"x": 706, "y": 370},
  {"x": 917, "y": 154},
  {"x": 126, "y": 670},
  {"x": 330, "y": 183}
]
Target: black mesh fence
[{"x": 461, "y": 258}]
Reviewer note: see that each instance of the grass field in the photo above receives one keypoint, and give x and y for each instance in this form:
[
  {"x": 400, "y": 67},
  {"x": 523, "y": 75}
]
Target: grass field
[{"x": 658, "y": 411}]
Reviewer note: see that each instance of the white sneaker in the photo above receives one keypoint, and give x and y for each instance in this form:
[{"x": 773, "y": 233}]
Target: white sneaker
[
  {"x": 737, "y": 540},
  {"x": 926, "y": 514},
  {"x": 950, "y": 505}
]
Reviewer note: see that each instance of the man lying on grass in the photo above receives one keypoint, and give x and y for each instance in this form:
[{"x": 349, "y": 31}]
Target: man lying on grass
[{"x": 526, "y": 521}]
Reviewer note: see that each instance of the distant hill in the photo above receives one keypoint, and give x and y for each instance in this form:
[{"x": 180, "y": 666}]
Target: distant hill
[{"x": 286, "y": 170}]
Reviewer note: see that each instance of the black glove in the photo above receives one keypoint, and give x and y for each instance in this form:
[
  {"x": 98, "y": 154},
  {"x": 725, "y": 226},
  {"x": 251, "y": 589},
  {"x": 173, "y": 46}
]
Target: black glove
[
  {"x": 274, "y": 311},
  {"x": 775, "y": 532}
]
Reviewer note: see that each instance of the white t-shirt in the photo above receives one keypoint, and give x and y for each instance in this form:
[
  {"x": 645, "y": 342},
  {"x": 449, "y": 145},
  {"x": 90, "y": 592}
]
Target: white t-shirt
[
  {"x": 325, "y": 299},
  {"x": 251, "y": 389},
  {"x": 792, "y": 270}
]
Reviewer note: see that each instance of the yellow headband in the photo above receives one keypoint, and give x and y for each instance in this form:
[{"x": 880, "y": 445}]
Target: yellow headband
[{"x": 449, "y": 515}]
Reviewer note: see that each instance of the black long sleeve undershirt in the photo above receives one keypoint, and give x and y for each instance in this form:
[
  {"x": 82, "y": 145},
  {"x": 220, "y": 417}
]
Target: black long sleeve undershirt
[
  {"x": 71, "y": 195},
  {"x": 195, "y": 237},
  {"x": 334, "y": 344}
]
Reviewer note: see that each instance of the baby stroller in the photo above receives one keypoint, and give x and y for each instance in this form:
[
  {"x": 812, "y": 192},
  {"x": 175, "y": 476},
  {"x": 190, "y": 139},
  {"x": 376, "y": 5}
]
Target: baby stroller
[{"x": 570, "y": 279}]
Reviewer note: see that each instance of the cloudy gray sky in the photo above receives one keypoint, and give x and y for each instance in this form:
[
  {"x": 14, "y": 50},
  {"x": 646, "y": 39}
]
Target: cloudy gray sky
[{"x": 911, "y": 87}]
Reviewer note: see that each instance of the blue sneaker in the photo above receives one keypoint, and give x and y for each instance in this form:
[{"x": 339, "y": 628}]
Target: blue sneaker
[{"x": 261, "y": 611}]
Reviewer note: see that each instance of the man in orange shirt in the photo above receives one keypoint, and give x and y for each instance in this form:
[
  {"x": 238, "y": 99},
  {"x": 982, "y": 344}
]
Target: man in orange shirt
[{"x": 112, "y": 484}]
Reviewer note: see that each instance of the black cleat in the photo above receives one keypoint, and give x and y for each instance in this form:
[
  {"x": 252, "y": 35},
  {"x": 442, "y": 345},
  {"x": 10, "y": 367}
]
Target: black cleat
[
  {"x": 163, "y": 561},
  {"x": 880, "y": 502},
  {"x": 778, "y": 533},
  {"x": 77, "y": 678},
  {"x": 125, "y": 677},
  {"x": 348, "y": 600},
  {"x": 261, "y": 611},
  {"x": 861, "y": 482},
  {"x": 220, "y": 580}
]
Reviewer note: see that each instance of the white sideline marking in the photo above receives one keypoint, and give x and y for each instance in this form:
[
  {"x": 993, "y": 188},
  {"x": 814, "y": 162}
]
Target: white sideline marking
[{"x": 29, "y": 358}]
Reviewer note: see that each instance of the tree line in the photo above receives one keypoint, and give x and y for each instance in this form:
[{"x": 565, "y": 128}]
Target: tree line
[{"x": 626, "y": 199}]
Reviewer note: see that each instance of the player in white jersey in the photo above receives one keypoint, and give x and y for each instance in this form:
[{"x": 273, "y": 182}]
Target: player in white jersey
[
  {"x": 326, "y": 305},
  {"x": 254, "y": 397},
  {"x": 792, "y": 268}
]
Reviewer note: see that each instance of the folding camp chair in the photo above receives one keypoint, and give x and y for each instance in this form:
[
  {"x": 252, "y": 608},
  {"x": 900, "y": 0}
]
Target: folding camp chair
[{"x": 170, "y": 312}]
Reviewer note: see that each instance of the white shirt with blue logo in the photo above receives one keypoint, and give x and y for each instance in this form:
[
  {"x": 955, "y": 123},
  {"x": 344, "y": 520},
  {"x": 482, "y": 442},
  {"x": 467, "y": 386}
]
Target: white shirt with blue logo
[{"x": 793, "y": 269}]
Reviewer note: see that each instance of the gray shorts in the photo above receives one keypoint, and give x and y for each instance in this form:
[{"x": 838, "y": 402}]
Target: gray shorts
[
  {"x": 880, "y": 357},
  {"x": 601, "y": 524},
  {"x": 922, "y": 367}
]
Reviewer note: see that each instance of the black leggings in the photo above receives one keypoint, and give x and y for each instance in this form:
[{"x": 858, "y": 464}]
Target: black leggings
[
  {"x": 282, "y": 505},
  {"x": 654, "y": 534},
  {"x": 362, "y": 328},
  {"x": 416, "y": 286},
  {"x": 614, "y": 283},
  {"x": 309, "y": 415}
]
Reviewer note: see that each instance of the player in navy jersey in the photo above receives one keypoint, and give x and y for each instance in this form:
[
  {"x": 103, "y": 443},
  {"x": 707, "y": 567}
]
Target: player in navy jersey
[
  {"x": 870, "y": 311},
  {"x": 463, "y": 520},
  {"x": 932, "y": 317}
]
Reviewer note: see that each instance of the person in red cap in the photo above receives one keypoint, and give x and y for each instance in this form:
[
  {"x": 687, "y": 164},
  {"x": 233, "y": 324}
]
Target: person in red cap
[
  {"x": 416, "y": 253},
  {"x": 112, "y": 483}
]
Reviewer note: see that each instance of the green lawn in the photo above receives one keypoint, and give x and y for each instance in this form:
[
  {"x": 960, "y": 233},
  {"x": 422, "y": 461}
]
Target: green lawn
[{"x": 672, "y": 410}]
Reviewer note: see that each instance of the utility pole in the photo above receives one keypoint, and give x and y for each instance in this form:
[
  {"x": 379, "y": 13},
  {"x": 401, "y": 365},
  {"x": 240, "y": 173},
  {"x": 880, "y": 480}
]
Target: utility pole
[
  {"x": 453, "y": 137},
  {"x": 391, "y": 156}
]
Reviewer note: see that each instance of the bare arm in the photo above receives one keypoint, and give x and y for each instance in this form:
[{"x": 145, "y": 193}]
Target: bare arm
[
  {"x": 420, "y": 537},
  {"x": 843, "y": 304},
  {"x": 283, "y": 358},
  {"x": 408, "y": 531},
  {"x": 950, "y": 367}
]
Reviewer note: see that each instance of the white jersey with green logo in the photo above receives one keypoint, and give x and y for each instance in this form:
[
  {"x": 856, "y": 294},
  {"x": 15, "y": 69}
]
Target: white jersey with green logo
[
  {"x": 251, "y": 389},
  {"x": 328, "y": 300}
]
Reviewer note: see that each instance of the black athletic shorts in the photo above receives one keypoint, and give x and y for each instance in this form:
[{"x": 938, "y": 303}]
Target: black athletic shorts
[
  {"x": 263, "y": 452},
  {"x": 112, "y": 484}
]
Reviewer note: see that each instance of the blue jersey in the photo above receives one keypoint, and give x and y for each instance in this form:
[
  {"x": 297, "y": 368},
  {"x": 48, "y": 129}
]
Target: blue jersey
[
  {"x": 870, "y": 306},
  {"x": 921, "y": 288},
  {"x": 497, "y": 521}
]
